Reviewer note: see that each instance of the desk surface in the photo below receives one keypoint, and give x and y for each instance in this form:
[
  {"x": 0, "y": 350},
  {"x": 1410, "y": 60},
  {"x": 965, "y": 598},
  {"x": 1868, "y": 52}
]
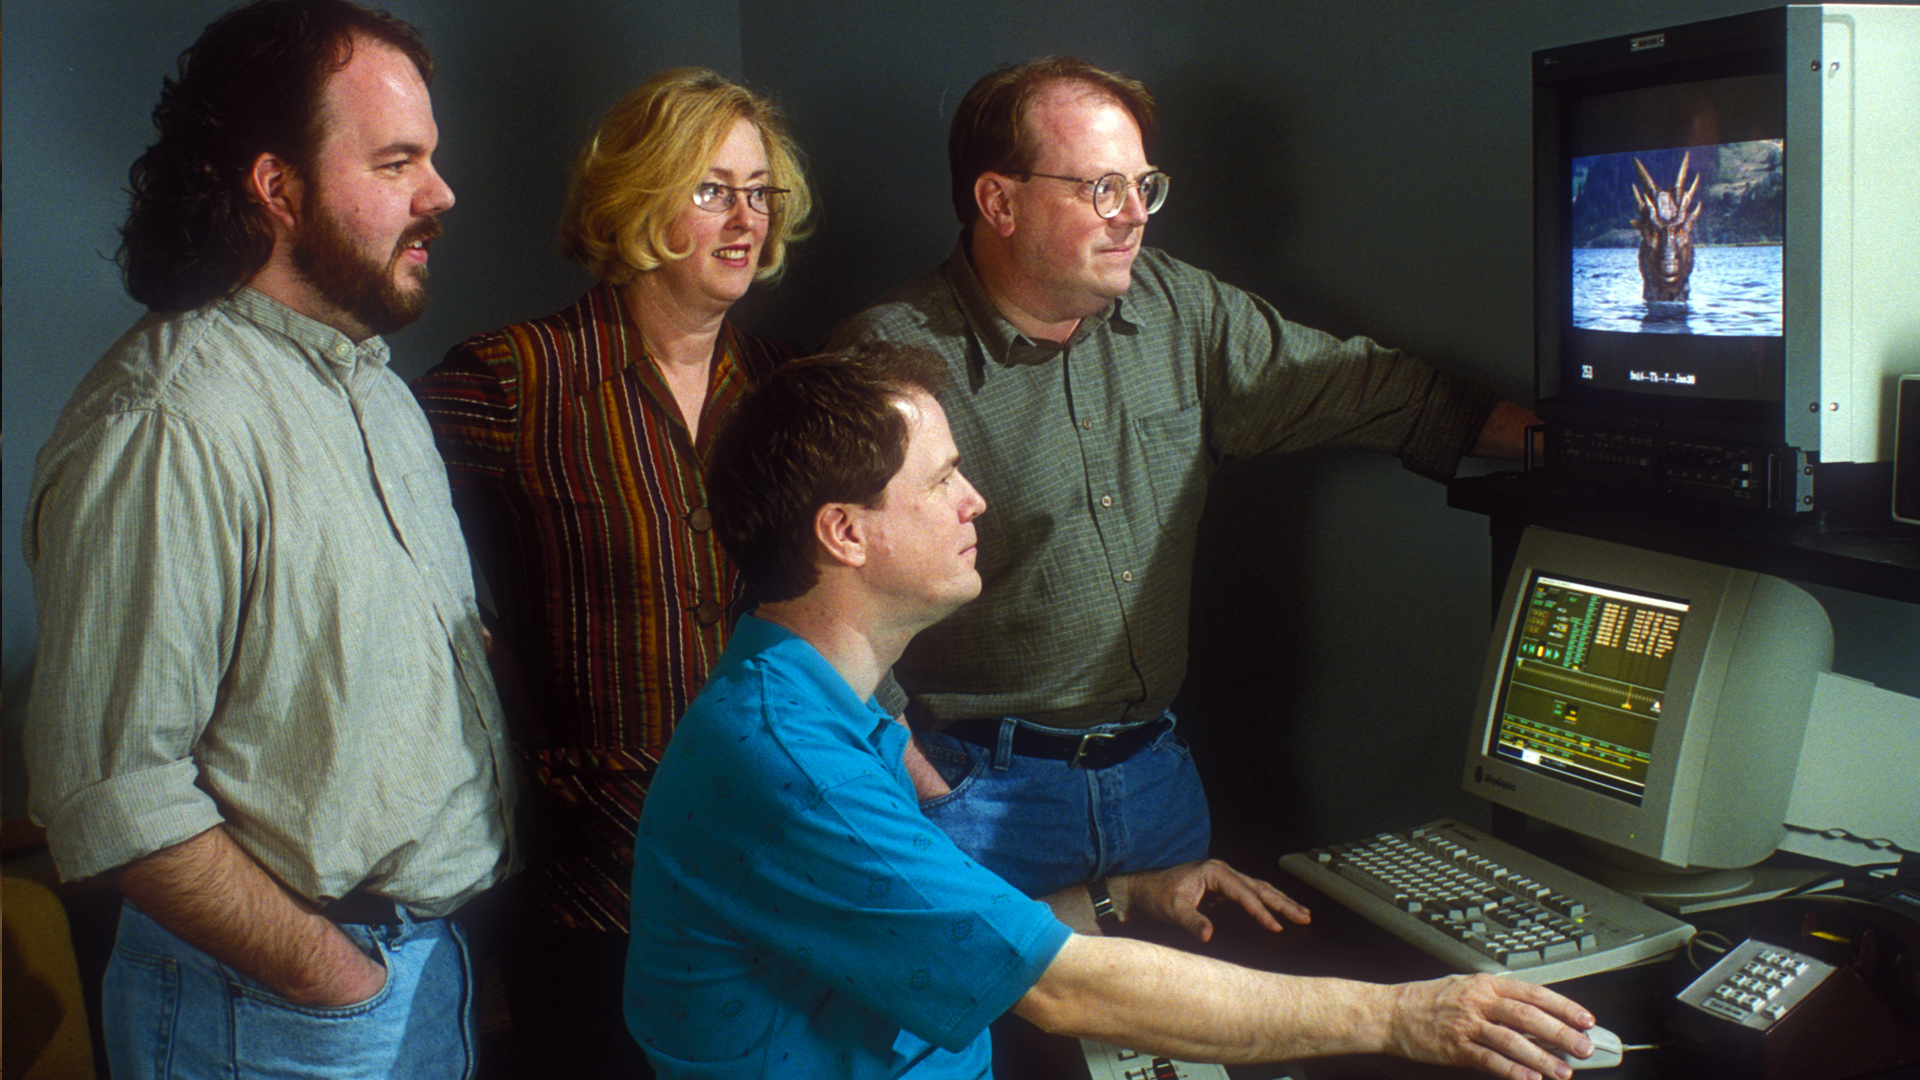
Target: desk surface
[{"x": 1633, "y": 1002}]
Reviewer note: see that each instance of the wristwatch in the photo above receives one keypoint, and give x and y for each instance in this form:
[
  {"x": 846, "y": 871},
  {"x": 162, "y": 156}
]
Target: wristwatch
[{"x": 1103, "y": 912}]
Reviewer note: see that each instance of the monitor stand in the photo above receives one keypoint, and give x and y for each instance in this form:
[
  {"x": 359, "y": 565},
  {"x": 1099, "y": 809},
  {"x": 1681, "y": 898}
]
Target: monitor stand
[
  {"x": 1686, "y": 894},
  {"x": 1678, "y": 894}
]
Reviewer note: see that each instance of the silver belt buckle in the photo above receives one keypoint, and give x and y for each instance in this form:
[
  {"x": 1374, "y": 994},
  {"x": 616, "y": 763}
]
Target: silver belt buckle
[{"x": 1086, "y": 740}]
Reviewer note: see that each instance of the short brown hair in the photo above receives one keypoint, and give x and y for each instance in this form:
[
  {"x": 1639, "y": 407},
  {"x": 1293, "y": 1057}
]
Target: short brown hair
[
  {"x": 990, "y": 132},
  {"x": 823, "y": 429},
  {"x": 639, "y": 168}
]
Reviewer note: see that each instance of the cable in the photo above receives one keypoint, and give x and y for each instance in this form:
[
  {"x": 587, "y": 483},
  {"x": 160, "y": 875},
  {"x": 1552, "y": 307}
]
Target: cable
[{"x": 1726, "y": 947}]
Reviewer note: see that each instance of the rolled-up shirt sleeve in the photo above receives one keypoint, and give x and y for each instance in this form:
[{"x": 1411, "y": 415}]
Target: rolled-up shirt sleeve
[
  {"x": 255, "y": 608},
  {"x": 137, "y": 543}
]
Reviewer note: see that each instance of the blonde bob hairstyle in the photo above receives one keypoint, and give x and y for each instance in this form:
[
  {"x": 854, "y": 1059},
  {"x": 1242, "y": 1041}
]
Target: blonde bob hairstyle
[{"x": 638, "y": 171}]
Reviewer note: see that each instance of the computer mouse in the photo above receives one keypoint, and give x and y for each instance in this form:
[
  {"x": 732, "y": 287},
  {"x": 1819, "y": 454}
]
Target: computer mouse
[{"x": 1606, "y": 1050}]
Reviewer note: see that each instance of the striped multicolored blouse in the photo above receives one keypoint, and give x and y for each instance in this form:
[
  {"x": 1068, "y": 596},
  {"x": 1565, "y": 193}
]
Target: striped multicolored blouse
[{"x": 583, "y": 501}]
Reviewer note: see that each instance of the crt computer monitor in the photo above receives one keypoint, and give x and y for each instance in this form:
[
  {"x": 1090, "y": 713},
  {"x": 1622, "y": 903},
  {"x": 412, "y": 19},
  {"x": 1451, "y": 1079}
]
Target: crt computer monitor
[
  {"x": 1651, "y": 705},
  {"x": 1769, "y": 308}
]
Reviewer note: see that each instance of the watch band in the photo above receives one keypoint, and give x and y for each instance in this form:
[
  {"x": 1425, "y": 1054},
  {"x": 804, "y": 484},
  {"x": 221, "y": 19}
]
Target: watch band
[{"x": 1103, "y": 912}]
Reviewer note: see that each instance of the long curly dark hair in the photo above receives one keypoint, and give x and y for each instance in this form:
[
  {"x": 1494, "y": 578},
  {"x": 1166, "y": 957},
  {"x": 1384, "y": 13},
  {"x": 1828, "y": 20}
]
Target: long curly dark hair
[{"x": 252, "y": 84}]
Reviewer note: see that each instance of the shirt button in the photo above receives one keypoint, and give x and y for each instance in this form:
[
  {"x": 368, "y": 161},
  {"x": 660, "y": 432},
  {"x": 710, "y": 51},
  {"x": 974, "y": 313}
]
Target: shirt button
[
  {"x": 1106, "y": 500},
  {"x": 1086, "y": 425},
  {"x": 700, "y": 519},
  {"x": 1126, "y": 575},
  {"x": 708, "y": 612}
]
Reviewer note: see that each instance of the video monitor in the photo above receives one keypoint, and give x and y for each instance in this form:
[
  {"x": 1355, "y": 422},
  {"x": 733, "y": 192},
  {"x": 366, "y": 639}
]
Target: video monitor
[
  {"x": 1675, "y": 240},
  {"x": 1723, "y": 255}
]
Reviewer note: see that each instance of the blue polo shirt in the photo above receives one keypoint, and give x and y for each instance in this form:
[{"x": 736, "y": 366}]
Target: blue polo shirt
[{"x": 794, "y": 913}]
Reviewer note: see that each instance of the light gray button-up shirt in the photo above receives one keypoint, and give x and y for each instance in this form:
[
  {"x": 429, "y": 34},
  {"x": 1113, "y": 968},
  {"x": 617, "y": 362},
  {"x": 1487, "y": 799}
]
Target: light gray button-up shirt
[{"x": 255, "y": 608}]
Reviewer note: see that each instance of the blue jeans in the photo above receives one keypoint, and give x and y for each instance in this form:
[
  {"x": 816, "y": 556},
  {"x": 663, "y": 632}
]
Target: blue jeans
[
  {"x": 1044, "y": 825},
  {"x": 171, "y": 1010}
]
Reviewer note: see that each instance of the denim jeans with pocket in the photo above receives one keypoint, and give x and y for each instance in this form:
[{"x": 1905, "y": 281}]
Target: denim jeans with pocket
[
  {"x": 171, "y": 1011},
  {"x": 1043, "y": 824}
]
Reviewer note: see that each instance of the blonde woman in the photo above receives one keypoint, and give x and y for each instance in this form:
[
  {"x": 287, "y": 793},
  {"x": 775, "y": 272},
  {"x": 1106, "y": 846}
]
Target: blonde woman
[{"x": 576, "y": 444}]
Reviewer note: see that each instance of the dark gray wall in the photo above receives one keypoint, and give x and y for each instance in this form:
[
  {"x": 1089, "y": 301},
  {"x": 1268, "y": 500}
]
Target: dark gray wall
[{"x": 1364, "y": 165}]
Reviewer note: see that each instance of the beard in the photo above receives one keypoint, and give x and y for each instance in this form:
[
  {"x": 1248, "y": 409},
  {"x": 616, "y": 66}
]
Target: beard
[{"x": 357, "y": 285}]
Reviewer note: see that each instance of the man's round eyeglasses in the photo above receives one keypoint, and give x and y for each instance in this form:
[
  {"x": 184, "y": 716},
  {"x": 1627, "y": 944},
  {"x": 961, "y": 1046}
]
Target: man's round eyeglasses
[
  {"x": 1109, "y": 192},
  {"x": 718, "y": 198}
]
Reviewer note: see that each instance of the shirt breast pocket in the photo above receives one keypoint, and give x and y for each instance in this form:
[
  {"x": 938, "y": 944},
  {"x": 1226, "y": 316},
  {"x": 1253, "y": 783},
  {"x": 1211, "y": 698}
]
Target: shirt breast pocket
[
  {"x": 1173, "y": 447},
  {"x": 428, "y": 523}
]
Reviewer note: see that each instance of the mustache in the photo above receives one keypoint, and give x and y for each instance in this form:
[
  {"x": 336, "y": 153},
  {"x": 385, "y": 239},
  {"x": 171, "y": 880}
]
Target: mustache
[{"x": 426, "y": 229}]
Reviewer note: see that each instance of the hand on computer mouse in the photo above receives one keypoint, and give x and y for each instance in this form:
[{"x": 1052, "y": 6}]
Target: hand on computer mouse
[
  {"x": 1607, "y": 1050},
  {"x": 1483, "y": 1021}
]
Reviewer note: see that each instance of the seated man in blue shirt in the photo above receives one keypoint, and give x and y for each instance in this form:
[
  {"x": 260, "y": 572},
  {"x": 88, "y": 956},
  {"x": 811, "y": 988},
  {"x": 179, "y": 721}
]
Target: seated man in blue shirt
[{"x": 795, "y": 914}]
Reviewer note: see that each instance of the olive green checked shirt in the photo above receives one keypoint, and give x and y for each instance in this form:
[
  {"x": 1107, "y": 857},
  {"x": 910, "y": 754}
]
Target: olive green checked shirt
[{"x": 1094, "y": 458}]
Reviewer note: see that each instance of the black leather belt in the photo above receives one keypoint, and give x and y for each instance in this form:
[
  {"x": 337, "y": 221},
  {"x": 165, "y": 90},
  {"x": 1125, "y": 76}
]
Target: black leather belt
[
  {"x": 362, "y": 909},
  {"x": 1084, "y": 750}
]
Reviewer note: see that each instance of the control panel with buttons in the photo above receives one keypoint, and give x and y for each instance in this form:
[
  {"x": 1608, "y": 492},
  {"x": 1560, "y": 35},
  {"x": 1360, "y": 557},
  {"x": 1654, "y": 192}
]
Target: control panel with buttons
[
  {"x": 1756, "y": 984},
  {"x": 1106, "y": 1062}
]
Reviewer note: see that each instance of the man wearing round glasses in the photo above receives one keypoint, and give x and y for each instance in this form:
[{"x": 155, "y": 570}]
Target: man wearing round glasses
[{"x": 1098, "y": 383}]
